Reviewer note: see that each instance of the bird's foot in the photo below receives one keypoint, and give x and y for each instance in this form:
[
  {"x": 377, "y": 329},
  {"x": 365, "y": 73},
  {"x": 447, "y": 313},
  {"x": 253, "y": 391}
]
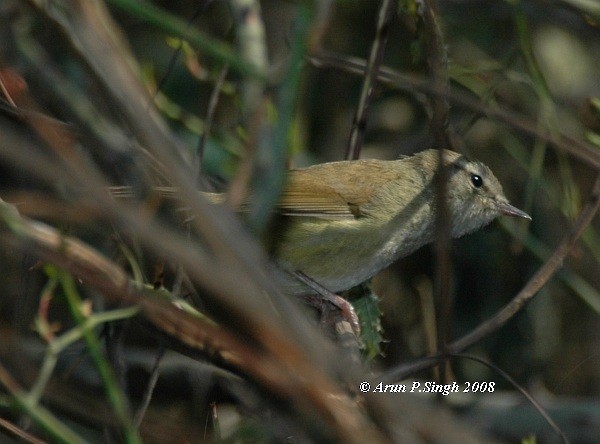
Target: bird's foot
[{"x": 343, "y": 318}]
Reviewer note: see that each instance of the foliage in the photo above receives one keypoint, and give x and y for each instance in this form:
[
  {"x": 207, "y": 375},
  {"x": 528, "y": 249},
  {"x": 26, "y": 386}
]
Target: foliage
[{"x": 154, "y": 310}]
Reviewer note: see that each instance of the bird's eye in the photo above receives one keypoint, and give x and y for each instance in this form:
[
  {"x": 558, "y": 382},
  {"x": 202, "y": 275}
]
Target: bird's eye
[{"x": 476, "y": 180}]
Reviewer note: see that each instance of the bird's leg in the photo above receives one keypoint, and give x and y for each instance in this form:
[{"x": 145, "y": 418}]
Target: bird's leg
[
  {"x": 344, "y": 320},
  {"x": 345, "y": 307}
]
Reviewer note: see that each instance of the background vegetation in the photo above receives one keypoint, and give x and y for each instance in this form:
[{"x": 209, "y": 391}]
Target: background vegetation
[{"x": 98, "y": 344}]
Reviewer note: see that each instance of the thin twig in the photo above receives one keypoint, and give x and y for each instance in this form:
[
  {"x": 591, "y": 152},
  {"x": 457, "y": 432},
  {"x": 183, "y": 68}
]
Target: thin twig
[
  {"x": 150, "y": 386},
  {"x": 357, "y": 134},
  {"x": 537, "y": 281},
  {"x": 177, "y": 52},
  {"x": 173, "y": 25},
  {"x": 39, "y": 414},
  {"x": 210, "y": 114},
  {"x": 442, "y": 254},
  {"x": 113, "y": 391},
  {"x": 19, "y": 432},
  {"x": 437, "y": 59},
  {"x": 287, "y": 375},
  {"x": 521, "y": 389},
  {"x": 354, "y": 65}
]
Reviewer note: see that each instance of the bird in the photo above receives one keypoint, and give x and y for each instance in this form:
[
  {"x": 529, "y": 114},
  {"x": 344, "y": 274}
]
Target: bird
[
  {"x": 345, "y": 221},
  {"x": 348, "y": 220}
]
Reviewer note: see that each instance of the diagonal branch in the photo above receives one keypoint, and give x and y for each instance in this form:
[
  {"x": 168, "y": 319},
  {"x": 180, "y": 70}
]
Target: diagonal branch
[
  {"x": 579, "y": 149},
  {"x": 537, "y": 281},
  {"x": 371, "y": 73},
  {"x": 290, "y": 377}
]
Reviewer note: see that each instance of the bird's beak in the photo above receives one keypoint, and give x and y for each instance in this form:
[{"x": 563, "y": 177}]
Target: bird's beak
[{"x": 508, "y": 210}]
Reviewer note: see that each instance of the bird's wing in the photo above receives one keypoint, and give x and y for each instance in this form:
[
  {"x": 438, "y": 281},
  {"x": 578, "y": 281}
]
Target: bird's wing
[
  {"x": 337, "y": 190},
  {"x": 318, "y": 192},
  {"x": 318, "y": 200},
  {"x": 321, "y": 201}
]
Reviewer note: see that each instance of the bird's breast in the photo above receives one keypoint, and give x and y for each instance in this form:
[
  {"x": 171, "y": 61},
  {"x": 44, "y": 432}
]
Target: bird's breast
[{"x": 342, "y": 254}]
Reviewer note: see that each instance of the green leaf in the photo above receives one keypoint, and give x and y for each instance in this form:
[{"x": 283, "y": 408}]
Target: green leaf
[{"x": 369, "y": 315}]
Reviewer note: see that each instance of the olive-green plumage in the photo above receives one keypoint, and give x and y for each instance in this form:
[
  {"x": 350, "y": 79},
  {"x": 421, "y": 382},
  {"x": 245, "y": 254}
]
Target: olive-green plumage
[
  {"x": 351, "y": 219},
  {"x": 345, "y": 221}
]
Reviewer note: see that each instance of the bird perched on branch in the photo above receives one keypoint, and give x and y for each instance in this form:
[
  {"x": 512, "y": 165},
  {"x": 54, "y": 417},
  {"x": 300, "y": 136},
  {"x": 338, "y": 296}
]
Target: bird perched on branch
[{"x": 345, "y": 221}]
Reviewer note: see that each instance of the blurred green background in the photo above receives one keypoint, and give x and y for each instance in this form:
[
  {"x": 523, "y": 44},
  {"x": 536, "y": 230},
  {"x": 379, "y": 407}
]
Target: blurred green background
[{"x": 539, "y": 60}]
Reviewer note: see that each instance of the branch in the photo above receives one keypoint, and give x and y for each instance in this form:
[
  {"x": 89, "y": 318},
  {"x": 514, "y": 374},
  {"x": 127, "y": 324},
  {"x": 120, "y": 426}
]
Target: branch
[
  {"x": 583, "y": 151},
  {"x": 359, "y": 124},
  {"x": 289, "y": 376},
  {"x": 537, "y": 281}
]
